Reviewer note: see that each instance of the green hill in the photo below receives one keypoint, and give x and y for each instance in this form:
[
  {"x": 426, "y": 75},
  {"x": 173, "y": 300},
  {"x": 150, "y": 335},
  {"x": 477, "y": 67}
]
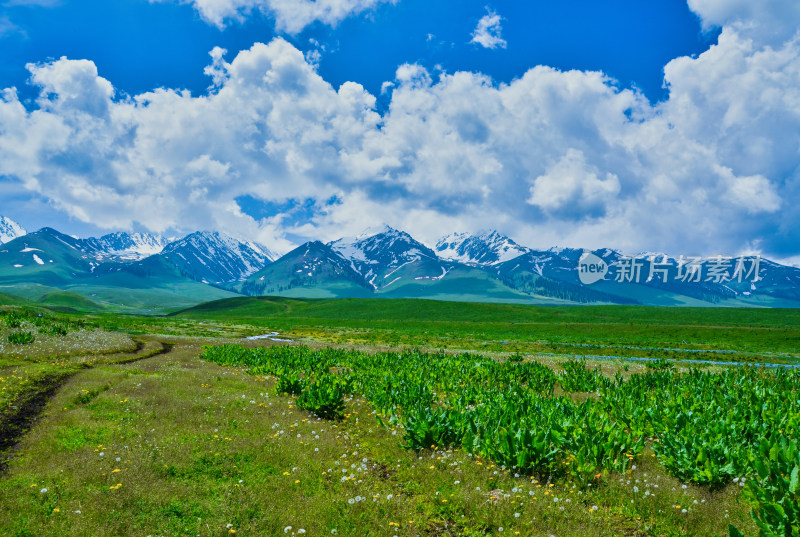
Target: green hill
[
  {"x": 11, "y": 300},
  {"x": 69, "y": 300}
]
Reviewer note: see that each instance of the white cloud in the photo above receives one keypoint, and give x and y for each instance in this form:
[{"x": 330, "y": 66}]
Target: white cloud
[
  {"x": 754, "y": 193},
  {"x": 553, "y": 157},
  {"x": 7, "y": 27},
  {"x": 291, "y": 16},
  {"x": 572, "y": 184},
  {"x": 488, "y": 31},
  {"x": 69, "y": 87},
  {"x": 768, "y": 21}
]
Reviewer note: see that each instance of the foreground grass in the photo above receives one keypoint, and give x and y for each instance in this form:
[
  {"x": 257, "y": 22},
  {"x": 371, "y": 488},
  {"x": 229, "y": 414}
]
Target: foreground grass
[
  {"x": 172, "y": 445},
  {"x": 59, "y": 349}
]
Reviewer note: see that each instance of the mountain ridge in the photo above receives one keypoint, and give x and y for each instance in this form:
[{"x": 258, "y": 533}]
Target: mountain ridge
[{"x": 383, "y": 263}]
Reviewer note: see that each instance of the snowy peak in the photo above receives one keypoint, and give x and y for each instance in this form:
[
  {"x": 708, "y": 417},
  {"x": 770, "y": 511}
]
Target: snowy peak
[
  {"x": 487, "y": 248},
  {"x": 216, "y": 257},
  {"x": 126, "y": 246},
  {"x": 389, "y": 256},
  {"x": 387, "y": 247},
  {"x": 10, "y": 230}
]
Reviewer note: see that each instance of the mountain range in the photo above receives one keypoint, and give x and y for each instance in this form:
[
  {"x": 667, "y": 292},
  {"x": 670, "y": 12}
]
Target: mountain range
[{"x": 142, "y": 272}]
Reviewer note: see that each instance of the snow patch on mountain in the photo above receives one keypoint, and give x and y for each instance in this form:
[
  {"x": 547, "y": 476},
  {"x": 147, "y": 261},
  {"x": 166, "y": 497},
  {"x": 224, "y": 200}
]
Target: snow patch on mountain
[
  {"x": 218, "y": 257},
  {"x": 10, "y": 230},
  {"x": 124, "y": 246},
  {"x": 486, "y": 248},
  {"x": 381, "y": 252}
]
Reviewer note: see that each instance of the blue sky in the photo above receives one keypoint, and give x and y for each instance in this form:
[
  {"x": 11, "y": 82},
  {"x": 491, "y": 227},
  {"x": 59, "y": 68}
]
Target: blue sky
[
  {"x": 569, "y": 123},
  {"x": 140, "y": 45}
]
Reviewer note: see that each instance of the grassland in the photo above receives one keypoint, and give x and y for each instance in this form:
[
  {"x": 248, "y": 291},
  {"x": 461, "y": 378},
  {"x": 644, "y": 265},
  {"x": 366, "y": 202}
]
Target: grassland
[
  {"x": 724, "y": 334},
  {"x": 143, "y": 437}
]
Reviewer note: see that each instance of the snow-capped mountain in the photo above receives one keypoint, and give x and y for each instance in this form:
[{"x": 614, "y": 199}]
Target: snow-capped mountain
[
  {"x": 487, "y": 248},
  {"x": 214, "y": 257},
  {"x": 9, "y": 230},
  {"x": 313, "y": 266},
  {"x": 384, "y": 263},
  {"x": 125, "y": 246},
  {"x": 385, "y": 256}
]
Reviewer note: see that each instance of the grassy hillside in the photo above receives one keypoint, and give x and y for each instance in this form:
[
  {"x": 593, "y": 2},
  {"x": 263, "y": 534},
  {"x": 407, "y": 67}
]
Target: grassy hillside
[
  {"x": 70, "y": 300},
  {"x": 402, "y": 310},
  {"x": 464, "y": 284},
  {"x": 12, "y": 300},
  {"x": 45, "y": 256},
  {"x": 731, "y": 334}
]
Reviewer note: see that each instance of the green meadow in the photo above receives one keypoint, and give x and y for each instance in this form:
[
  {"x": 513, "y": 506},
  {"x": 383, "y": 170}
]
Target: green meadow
[{"x": 541, "y": 420}]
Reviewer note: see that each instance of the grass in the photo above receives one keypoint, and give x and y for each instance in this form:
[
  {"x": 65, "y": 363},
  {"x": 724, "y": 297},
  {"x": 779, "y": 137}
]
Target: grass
[
  {"x": 140, "y": 443},
  {"x": 723, "y": 334},
  {"x": 175, "y": 446}
]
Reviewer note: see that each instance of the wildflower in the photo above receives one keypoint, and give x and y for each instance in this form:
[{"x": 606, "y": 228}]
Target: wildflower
[
  {"x": 43, "y": 491},
  {"x": 287, "y": 529}
]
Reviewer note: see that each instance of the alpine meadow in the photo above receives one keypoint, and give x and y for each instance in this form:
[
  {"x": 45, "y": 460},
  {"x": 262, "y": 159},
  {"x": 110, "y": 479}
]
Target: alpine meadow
[{"x": 397, "y": 268}]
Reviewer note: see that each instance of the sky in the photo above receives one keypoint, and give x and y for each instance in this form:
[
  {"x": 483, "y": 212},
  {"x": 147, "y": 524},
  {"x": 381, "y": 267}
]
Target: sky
[{"x": 640, "y": 126}]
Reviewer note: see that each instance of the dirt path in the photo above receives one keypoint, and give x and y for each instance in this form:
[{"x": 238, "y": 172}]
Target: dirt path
[{"x": 31, "y": 403}]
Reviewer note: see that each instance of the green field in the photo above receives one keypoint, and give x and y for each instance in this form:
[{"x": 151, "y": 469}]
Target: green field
[
  {"x": 411, "y": 417},
  {"x": 721, "y": 334}
]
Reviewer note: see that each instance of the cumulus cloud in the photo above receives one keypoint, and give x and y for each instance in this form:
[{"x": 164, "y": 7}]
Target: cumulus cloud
[
  {"x": 488, "y": 31},
  {"x": 291, "y": 16},
  {"x": 572, "y": 184},
  {"x": 553, "y": 157},
  {"x": 770, "y": 21}
]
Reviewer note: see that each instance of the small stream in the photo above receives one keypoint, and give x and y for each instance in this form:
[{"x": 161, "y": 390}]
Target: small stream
[
  {"x": 270, "y": 336},
  {"x": 695, "y": 362}
]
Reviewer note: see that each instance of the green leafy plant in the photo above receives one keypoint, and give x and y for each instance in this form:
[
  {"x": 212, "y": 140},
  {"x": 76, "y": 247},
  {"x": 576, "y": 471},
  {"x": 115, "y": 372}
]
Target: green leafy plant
[
  {"x": 576, "y": 377},
  {"x": 13, "y": 320},
  {"x": 775, "y": 491},
  {"x": 324, "y": 396},
  {"x": 20, "y": 338},
  {"x": 55, "y": 330},
  {"x": 659, "y": 364},
  {"x": 289, "y": 382}
]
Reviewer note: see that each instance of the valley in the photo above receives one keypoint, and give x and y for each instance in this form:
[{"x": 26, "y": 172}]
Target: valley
[{"x": 353, "y": 418}]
